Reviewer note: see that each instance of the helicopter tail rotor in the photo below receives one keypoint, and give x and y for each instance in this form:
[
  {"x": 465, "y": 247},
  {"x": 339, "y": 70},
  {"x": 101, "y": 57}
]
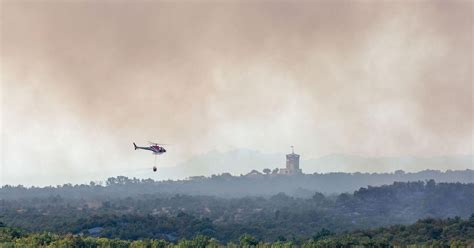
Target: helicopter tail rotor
[{"x": 135, "y": 145}]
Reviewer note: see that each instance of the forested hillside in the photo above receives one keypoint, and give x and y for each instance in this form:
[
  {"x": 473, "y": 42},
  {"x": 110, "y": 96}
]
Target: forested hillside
[
  {"x": 173, "y": 217},
  {"x": 225, "y": 185},
  {"x": 424, "y": 233}
]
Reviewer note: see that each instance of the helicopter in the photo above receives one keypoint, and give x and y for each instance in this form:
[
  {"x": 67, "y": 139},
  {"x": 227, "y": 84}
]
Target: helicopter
[{"x": 156, "y": 148}]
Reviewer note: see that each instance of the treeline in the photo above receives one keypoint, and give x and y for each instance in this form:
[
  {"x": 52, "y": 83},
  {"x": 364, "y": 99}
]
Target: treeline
[
  {"x": 453, "y": 232},
  {"x": 226, "y": 185},
  {"x": 175, "y": 217}
]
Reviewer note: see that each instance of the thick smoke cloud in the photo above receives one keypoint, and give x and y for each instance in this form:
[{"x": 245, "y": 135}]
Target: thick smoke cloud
[{"x": 81, "y": 80}]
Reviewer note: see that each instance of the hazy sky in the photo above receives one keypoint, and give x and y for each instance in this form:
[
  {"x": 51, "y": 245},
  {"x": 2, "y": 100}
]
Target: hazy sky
[{"x": 82, "y": 80}]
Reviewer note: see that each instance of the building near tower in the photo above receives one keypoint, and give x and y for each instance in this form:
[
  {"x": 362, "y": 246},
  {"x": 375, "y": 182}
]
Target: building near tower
[{"x": 292, "y": 164}]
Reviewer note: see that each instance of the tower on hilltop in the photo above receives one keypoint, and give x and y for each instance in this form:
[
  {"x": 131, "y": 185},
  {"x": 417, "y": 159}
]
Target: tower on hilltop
[{"x": 292, "y": 164}]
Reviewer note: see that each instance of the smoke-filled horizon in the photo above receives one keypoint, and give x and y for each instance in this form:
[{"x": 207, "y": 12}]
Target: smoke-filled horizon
[{"x": 82, "y": 80}]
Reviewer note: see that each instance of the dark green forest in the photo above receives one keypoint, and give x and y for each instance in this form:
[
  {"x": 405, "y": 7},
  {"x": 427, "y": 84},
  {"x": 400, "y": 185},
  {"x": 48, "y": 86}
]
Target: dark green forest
[
  {"x": 451, "y": 232},
  {"x": 225, "y": 185},
  {"x": 280, "y": 217}
]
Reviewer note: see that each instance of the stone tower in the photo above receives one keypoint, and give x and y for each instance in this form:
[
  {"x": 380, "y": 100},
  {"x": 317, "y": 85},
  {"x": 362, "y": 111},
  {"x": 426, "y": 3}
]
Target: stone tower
[{"x": 292, "y": 164}]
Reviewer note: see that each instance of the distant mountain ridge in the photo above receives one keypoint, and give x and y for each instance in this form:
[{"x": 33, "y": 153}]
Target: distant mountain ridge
[
  {"x": 352, "y": 163},
  {"x": 242, "y": 161}
]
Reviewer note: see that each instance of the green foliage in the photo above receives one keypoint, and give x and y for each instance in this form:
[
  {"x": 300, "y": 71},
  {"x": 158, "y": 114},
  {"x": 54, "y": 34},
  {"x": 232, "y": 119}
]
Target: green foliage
[
  {"x": 321, "y": 234},
  {"x": 281, "y": 218},
  {"x": 456, "y": 233},
  {"x": 452, "y": 232},
  {"x": 247, "y": 240}
]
